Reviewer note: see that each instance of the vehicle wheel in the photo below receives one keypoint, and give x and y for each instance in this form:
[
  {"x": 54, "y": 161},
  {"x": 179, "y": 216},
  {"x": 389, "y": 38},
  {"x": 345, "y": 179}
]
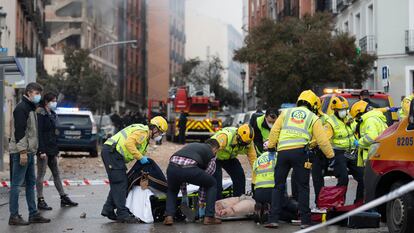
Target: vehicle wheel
[
  {"x": 94, "y": 152},
  {"x": 400, "y": 211}
]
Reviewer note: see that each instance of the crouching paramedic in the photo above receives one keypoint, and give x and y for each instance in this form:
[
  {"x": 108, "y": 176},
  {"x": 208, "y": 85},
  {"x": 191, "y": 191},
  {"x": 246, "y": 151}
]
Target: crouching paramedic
[
  {"x": 264, "y": 179},
  {"x": 195, "y": 163},
  {"x": 125, "y": 146},
  {"x": 234, "y": 141},
  {"x": 342, "y": 140},
  {"x": 370, "y": 124},
  {"x": 292, "y": 132}
]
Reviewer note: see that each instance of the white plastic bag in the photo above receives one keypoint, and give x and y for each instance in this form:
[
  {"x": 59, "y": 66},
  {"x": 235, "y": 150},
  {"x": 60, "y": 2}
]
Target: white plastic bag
[{"x": 138, "y": 202}]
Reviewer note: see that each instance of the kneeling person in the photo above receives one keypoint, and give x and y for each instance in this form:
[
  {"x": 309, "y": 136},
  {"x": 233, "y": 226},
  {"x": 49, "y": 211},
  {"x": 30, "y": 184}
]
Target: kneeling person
[{"x": 194, "y": 164}]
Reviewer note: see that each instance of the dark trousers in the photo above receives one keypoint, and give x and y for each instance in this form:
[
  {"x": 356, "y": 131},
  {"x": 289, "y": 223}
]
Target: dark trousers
[
  {"x": 343, "y": 167},
  {"x": 176, "y": 176},
  {"x": 295, "y": 159},
  {"x": 118, "y": 181},
  {"x": 289, "y": 206},
  {"x": 236, "y": 172},
  {"x": 181, "y": 135},
  {"x": 319, "y": 167}
]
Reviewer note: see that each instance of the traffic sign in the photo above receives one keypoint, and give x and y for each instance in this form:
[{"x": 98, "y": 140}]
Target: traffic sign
[{"x": 385, "y": 76}]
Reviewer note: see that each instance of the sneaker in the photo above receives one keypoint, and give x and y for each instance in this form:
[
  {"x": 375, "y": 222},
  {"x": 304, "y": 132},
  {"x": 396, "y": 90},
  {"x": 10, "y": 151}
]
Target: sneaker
[
  {"x": 37, "y": 218},
  {"x": 168, "y": 221},
  {"x": 109, "y": 214},
  {"x": 42, "y": 205},
  {"x": 211, "y": 221},
  {"x": 273, "y": 225},
  {"x": 66, "y": 201},
  {"x": 17, "y": 221}
]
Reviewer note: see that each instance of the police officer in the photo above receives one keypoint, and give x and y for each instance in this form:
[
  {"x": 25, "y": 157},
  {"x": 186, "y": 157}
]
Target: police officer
[
  {"x": 234, "y": 141},
  {"x": 342, "y": 137},
  {"x": 261, "y": 126},
  {"x": 292, "y": 132},
  {"x": 405, "y": 106},
  {"x": 128, "y": 144},
  {"x": 370, "y": 124}
]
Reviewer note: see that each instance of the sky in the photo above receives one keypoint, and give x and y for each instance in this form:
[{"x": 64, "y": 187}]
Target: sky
[{"x": 228, "y": 11}]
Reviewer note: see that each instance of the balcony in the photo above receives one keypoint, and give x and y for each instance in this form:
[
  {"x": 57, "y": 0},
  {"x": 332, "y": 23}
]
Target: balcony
[
  {"x": 368, "y": 45},
  {"x": 409, "y": 41}
]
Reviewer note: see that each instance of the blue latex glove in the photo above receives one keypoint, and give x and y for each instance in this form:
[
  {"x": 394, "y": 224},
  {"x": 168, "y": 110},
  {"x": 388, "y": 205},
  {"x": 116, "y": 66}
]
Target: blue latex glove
[
  {"x": 144, "y": 160},
  {"x": 201, "y": 212},
  {"x": 393, "y": 109},
  {"x": 356, "y": 143},
  {"x": 272, "y": 155},
  {"x": 184, "y": 200}
]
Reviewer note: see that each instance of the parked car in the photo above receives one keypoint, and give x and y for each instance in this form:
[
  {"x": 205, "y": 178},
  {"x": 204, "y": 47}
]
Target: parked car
[
  {"x": 105, "y": 125},
  {"x": 76, "y": 130}
]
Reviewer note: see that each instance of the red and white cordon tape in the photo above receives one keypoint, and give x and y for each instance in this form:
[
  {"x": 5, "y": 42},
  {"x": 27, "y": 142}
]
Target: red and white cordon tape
[{"x": 84, "y": 182}]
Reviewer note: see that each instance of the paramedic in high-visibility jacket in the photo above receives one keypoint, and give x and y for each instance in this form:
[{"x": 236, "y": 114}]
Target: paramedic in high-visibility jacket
[
  {"x": 125, "y": 146},
  {"x": 290, "y": 136},
  {"x": 234, "y": 141}
]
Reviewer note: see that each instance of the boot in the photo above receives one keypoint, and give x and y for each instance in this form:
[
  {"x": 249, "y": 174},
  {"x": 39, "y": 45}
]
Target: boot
[
  {"x": 131, "y": 219},
  {"x": 109, "y": 214},
  {"x": 17, "y": 221},
  {"x": 66, "y": 201},
  {"x": 258, "y": 212},
  {"x": 42, "y": 205},
  {"x": 168, "y": 221},
  {"x": 37, "y": 218},
  {"x": 211, "y": 220}
]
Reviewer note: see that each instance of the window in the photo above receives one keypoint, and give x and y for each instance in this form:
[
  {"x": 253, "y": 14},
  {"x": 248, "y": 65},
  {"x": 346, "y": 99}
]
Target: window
[
  {"x": 370, "y": 20},
  {"x": 346, "y": 27},
  {"x": 358, "y": 26}
]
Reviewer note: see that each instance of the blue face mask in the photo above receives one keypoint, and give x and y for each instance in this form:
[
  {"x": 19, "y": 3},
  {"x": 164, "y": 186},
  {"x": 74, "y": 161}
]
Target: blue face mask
[{"x": 36, "y": 99}]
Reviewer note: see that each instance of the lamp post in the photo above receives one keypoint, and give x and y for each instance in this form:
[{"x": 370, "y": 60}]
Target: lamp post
[
  {"x": 243, "y": 78},
  {"x": 133, "y": 42}
]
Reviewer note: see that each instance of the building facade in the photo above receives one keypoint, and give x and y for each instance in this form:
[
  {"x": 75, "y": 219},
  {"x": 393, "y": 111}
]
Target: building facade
[
  {"x": 166, "y": 44},
  {"x": 24, "y": 35},
  {"x": 209, "y": 37},
  {"x": 385, "y": 29},
  {"x": 132, "y": 67}
]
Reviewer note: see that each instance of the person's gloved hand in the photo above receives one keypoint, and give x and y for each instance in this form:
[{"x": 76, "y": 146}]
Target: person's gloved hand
[
  {"x": 201, "y": 212},
  {"x": 184, "y": 200},
  {"x": 266, "y": 145},
  {"x": 144, "y": 160},
  {"x": 393, "y": 109},
  {"x": 331, "y": 164},
  {"x": 272, "y": 155},
  {"x": 356, "y": 143}
]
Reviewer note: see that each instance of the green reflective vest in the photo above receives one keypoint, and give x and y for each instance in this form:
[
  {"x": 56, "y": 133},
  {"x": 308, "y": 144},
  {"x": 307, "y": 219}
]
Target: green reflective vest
[
  {"x": 265, "y": 170},
  {"x": 402, "y": 112},
  {"x": 121, "y": 137},
  {"x": 296, "y": 128},
  {"x": 343, "y": 136},
  {"x": 265, "y": 132},
  {"x": 230, "y": 151},
  {"x": 373, "y": 124}
]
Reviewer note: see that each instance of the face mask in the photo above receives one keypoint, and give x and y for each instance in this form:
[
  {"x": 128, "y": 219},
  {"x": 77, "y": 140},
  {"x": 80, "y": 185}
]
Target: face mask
[
  {"x": 269, "y": 124},
  {"x": 158, "y": 138},
  {"x": 342, "y": 113},
  {"x": 52, "y": 105},
  {"x": 36, "y": 99}
]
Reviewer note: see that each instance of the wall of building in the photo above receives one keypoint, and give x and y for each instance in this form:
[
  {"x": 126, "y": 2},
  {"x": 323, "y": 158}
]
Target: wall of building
[{"x": 158, "y": 48}]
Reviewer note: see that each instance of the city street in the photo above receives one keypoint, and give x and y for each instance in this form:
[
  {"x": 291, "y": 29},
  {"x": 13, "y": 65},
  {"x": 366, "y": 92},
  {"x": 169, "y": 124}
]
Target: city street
[{"x": 90, "y": 200}]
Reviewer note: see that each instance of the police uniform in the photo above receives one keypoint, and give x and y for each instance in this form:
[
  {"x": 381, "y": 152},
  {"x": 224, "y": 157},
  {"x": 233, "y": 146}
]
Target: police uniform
[
  {"x": 292, "y": 131},
  {"x": 342, "y": 141},
  {"x": 405, "y": 106},
  {"x": 227, "y": 159},
  {"x": 128, "y": 144}
]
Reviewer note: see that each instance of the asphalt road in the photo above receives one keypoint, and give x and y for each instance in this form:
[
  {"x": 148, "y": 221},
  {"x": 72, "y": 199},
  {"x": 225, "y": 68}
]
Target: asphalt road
[{"x": 91, "y": 199}]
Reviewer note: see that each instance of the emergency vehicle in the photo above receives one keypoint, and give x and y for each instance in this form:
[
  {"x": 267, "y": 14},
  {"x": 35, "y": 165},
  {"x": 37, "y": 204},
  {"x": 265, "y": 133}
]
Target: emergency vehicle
[
  {"x": 378, "y": 98},
  {"x": 391, "y": 165},
  {"x": 200, "y": 106}
]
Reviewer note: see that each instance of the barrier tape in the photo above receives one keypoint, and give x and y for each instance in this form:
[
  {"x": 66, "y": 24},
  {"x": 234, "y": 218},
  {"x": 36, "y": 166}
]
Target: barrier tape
[
  {"x": 379, "y": 201},
  {"x": 84, "y": 182}
]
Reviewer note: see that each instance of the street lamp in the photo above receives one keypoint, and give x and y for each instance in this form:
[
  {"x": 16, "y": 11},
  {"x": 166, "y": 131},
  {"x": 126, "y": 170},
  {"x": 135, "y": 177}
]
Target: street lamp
[
  {"x": 243, "y": 78},
  {"x": 114, "y": 43}
]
